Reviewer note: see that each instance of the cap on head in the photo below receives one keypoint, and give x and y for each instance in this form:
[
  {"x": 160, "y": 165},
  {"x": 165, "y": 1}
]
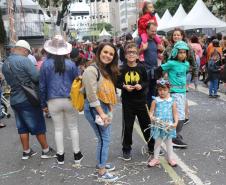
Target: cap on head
[
  {"x": 177, "y": 46},
  {"x": 23, "y": 44}
]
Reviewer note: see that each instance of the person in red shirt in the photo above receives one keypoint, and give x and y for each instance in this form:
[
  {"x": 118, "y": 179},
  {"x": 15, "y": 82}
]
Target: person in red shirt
[{"x": 148, "y": 15}]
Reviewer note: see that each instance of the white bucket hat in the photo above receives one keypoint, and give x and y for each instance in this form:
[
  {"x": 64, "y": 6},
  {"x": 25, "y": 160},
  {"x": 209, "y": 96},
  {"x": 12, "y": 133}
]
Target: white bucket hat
[
  {"x": 57, "y": 46},
  {"x": 23, "y": 44}
]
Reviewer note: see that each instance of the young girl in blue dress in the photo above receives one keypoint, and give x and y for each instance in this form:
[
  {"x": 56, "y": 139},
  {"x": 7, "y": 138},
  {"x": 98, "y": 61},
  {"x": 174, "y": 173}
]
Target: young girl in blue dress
[{"x": 163, "y": 113}]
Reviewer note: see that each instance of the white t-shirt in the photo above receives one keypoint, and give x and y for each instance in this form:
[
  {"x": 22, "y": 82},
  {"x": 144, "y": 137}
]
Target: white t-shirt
[{"x": 32, "y": 58}]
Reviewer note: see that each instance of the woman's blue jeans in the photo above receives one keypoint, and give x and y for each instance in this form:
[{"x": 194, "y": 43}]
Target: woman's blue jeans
[
  {"x": 213, "y": 87},
  {"x": 103, "y": 133}
]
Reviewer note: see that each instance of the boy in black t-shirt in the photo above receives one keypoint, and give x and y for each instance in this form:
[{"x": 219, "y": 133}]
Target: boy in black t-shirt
[{"x": 133, "y": 81}]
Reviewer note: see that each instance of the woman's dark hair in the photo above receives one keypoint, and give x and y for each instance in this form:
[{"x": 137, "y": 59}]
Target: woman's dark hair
[
  {"x": 129, "y": 37},
  {"x": 194, "y": 39},
  {"x": 59, "y": 63},
  {"x": 216, "y": 43},
  {"x": 219, "y": 36},
  {"x": 38, "y": 55},
  {"x": 111, "y": 70},
  {"x": 181, "y": 32}
]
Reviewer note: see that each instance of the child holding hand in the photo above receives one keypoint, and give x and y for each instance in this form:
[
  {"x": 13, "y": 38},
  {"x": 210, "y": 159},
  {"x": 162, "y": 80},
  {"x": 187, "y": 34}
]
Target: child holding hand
[{"x": 163, "y": 113}]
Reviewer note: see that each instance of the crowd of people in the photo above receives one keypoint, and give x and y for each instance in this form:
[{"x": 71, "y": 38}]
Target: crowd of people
[{"x": 152, "y": 72}]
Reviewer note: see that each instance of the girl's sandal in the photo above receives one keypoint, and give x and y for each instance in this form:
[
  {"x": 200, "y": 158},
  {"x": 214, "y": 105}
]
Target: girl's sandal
[
  {"x": 172, "y": 163},
  {"x": 153, "y": 162}
]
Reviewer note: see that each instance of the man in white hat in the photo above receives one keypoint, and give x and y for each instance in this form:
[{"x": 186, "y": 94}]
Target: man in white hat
[{"x": 18, "y": 69}]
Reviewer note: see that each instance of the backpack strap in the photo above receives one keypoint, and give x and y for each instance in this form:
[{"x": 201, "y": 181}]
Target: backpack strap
[{"x": 98, "y": 71}]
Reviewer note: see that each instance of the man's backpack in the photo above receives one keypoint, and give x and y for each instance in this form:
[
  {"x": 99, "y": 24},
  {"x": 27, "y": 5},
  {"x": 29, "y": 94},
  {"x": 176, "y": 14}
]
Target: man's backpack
[{"x": 77, "y": 94}]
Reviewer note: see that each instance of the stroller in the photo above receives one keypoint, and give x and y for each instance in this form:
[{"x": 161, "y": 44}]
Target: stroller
[
  {"x": 4, "y": 101},
  {"x": 5, "y": 107}
]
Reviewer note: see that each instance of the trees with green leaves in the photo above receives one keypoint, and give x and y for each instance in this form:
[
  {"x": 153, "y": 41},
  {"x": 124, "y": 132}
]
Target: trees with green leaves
[
  {"x": 172, "y": 5},
  {"x": 64, "y": 4},
  {"x": 2, "y": 30},
  {"x": 105, "y": 25},
  {"x": 220, "y": 7}
]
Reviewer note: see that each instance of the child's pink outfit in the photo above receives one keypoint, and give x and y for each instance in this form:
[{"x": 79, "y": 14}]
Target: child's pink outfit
[
  {"x": 142, "y": 26},
  {"x": 39, "y": 64}
]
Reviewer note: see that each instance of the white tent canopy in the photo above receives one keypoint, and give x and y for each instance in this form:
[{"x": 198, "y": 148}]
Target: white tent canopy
[
  {"x": 104, "y": 33},
  {"x": 157, "y": 18},
  {"x": 176, "y": 20},
  {"x": 201, "y": 17},
  {"x": 135, "y": 33},
  {"x": 165, "y": 19}
]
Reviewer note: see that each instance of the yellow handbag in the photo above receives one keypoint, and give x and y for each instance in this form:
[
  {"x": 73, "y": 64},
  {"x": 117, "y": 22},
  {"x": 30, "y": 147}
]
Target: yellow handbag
[{"x": 77, "y": 96}]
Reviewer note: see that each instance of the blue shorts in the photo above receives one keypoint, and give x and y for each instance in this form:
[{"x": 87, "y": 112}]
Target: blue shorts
[{"x": 29, "y": 119}]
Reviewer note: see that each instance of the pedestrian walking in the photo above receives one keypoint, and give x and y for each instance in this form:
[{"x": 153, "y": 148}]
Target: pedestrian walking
[
  {"x": 214, "y": 69},
  {"x": 163, "y": 109},
  {"x": 18, "y": 69},
  {"x": 99, "y": 82},
  {"x": 56, "y": 77},
  {"x": 177, "y": 67},
  {"x": 133, "y": 81},
  {"x": 150, "y": 60},
  {"x": 179, "y": 35}
]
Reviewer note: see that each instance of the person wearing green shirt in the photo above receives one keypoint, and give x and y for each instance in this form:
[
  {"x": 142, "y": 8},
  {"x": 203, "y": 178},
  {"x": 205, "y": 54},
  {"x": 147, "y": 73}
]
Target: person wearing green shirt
[{"x": 177, "y": 67}]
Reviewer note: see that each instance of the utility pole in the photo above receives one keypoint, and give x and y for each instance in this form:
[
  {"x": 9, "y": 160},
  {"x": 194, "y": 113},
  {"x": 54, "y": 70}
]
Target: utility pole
[
  {"x": 126, "y": 14},
  {"x": 52, "y": 30},
  {"x": 12, "y": 32}
]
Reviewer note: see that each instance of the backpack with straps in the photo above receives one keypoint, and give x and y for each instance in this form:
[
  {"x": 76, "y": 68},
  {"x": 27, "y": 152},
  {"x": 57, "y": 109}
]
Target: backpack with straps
[{"x": 77, "y": 94}]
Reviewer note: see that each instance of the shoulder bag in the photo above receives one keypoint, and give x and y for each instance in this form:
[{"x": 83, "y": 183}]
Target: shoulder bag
[{"x": 29, "y": 90}]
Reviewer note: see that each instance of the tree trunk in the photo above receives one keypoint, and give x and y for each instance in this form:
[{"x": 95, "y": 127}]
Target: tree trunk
[{"x": 1, "y": 51}]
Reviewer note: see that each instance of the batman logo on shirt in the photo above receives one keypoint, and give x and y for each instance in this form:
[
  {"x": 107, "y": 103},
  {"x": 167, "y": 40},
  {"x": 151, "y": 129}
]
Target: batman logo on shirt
[{"x": 132, "y": 78}]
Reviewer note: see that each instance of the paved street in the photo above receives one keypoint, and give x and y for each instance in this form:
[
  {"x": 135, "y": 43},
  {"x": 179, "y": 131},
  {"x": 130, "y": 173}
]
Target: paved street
[{"x": 203, "y": 162}]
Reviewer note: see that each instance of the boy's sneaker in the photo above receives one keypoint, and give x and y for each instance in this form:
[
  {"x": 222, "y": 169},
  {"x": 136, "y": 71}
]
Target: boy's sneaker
[
  {"x": 60, "y": 158},
  {"x": 153, "y": 162},
  {"x": 109, "y": 167},
  {"x": 127, "y": 155},
  {"x": 211, "y": 96},
  {"x": 107, "y": 177},
  {"x": 28, "y": 155},
  {"x": 216, "y": 96},
  {"x": 50, "y": 154},
  {"x": 177, "y": 143},
  {"x": 186, "y": 121},
  {"x": 78, "y": 157}
]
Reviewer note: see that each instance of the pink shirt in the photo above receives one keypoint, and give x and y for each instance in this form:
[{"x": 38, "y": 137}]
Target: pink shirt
[
  {"x": 197, "y": 48},
  {"x": 39, "y": 64}
]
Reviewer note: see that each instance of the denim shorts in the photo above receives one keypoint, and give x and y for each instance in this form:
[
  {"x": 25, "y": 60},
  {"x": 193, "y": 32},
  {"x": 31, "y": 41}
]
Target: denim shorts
[
  {"x": 180, "y": 99},
  {"x": 29, "y": 119}
]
